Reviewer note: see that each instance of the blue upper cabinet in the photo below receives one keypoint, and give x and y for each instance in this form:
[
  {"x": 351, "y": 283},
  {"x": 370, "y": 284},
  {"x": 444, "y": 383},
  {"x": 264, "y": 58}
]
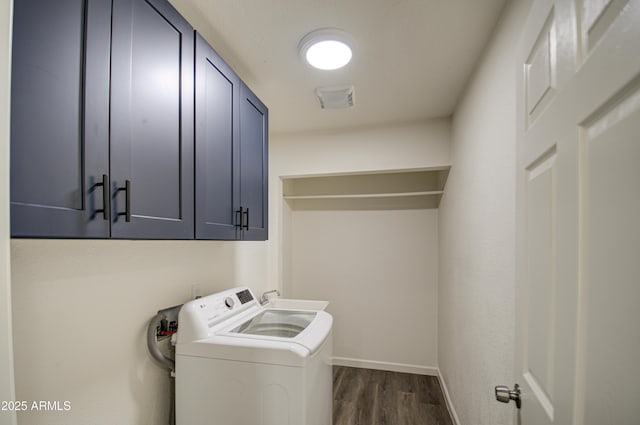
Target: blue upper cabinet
[
  {"x": 231, "y": 153},
  {"x": 151, "y": 121},
  {"x": 217, "y": 146},
  {"x": 107, "y": 96},
  {"x": 60, "y": 119},
  {"x": 254, "y": 163},
  {"x": 102, "y": 120}
]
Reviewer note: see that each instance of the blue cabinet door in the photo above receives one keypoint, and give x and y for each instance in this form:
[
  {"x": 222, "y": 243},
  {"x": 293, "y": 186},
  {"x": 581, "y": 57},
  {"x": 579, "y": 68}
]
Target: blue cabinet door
[
  {"x": 217, "y": 146},
  {"x": 254, "y": 173},
  {"x": 60, "y": 119},
  {"x": 151, "y": 122}
]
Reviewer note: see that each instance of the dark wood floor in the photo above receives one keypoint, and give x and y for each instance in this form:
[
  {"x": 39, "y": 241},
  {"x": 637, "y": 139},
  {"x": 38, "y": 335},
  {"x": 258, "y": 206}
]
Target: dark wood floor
[{"x": 376, "y": 397}]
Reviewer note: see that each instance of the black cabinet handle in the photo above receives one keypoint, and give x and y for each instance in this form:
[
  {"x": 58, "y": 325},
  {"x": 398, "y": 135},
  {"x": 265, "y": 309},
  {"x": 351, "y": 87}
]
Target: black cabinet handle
[
  {"x": 127, "y": 210},
  {"x": 105, "y": 197},
  {"x": 239, "y": 218},
  {"x": 246, "y": 224}
]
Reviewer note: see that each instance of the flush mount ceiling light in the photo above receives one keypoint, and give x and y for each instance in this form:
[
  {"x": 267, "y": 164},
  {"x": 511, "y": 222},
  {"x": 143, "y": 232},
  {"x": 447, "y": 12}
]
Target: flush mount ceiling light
[{"x": 327, "y": 48}]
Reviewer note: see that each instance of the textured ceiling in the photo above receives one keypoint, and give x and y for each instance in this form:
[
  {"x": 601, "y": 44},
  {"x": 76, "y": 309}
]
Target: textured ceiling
[{"x": 411, "y": 60}]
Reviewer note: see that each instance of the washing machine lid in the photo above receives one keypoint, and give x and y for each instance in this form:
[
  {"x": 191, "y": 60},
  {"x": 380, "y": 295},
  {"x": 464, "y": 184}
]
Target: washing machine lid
[{"x": 272, "y": 336}]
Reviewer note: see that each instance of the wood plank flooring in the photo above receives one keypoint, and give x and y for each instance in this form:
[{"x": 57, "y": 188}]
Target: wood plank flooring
[{"x": 377, "y": 397}]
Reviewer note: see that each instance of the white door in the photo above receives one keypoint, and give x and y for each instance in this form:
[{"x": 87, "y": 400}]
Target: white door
[{"x": 578, "y": 214}]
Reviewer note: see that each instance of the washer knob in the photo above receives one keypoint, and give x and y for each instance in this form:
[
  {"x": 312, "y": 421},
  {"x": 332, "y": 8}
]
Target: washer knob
[{"x": 229, "y": 302}]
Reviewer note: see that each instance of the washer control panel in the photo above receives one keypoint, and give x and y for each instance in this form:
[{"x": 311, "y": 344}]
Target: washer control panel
[
  {"x": 245, "y": 296},
  {"x": 225, "y": 303},
  {"x": 198, "y": 317}
]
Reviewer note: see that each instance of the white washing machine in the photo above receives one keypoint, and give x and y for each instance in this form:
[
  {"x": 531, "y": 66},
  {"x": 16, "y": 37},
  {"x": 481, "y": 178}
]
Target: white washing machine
[{"x": 238, "y": 363}]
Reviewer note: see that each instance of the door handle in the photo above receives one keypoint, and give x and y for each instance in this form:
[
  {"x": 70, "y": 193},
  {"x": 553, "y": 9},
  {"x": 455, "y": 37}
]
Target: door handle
[
  {"x": 127, "y": 206},
  {"x": 105, "y": 197},
  {"x": 239, "y": 215},
  {"x": 246, "y": 224},
  {"x": 240, "y": 218},
  {"x": 504, "y": 394}
]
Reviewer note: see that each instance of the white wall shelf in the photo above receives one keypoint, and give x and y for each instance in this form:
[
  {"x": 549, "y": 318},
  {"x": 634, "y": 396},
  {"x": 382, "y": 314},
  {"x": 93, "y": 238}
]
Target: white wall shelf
[
  {"x": 365, "y": 195},
  {"x": 411, "y": 189}
]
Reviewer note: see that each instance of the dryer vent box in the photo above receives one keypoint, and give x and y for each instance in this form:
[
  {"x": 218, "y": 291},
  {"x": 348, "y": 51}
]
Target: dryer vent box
[{"x": 336, "y": 97}]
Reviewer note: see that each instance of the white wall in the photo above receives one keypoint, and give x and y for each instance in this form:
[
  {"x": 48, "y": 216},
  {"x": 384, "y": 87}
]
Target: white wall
[
  {"x": 399, "y": 147},
  {"x": 6, "y": 354},
  {"x": 477, "y": 235},
  {"x": 402, "y": 146},
  {"x": 379, "y": 271},
  {"x": 394, "y": 147},
  {"x": 80, "y": 312}
]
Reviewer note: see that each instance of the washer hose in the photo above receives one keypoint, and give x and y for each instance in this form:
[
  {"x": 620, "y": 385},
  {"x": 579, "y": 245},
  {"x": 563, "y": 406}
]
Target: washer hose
[{"x": 153, "y": 346}]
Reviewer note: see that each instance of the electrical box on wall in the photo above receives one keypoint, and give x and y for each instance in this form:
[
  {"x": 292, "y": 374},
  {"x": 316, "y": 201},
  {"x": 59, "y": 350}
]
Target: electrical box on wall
[{"x": 167, "y": 323}]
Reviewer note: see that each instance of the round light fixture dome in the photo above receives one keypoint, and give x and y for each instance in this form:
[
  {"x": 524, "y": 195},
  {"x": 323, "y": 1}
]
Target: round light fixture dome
[{"x": 326, "y": 49}]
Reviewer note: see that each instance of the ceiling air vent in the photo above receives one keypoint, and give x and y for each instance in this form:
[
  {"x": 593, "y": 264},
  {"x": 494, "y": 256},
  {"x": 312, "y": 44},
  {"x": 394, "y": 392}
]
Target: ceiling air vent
[{"x": 336, "y": 97}]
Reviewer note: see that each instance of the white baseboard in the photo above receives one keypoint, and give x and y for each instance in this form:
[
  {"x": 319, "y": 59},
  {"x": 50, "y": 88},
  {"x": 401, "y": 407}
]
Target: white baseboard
[
  {"x": 393, "y": 367},
  {"x": 447, "y": 398}
]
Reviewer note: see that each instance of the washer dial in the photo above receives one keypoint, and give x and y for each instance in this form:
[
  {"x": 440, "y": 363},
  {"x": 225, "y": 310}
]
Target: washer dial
[{"x": 229, "y": 302}]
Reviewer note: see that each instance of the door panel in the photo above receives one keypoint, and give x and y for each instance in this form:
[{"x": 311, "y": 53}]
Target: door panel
[
  {"x": 254, "y": 135},
  {"x": 610, "y": 344},
  {"x": 48, "y": 102},
  {"x": 540, "y": 280},
  {"x": 540, "y": 69},
  {"x": 155, "y": 108},
  {"x": 152, "y": 121},
  {"x": 217, "y": 145},
  {"x": 578, "y": 202},
  {"x": 597, "y": 17},
  {"x": 59, "y": 119}
]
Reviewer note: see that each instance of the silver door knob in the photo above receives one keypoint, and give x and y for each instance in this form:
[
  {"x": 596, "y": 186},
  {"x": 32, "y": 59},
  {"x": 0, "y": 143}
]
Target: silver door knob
[{"x": 504, "y": 394}]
